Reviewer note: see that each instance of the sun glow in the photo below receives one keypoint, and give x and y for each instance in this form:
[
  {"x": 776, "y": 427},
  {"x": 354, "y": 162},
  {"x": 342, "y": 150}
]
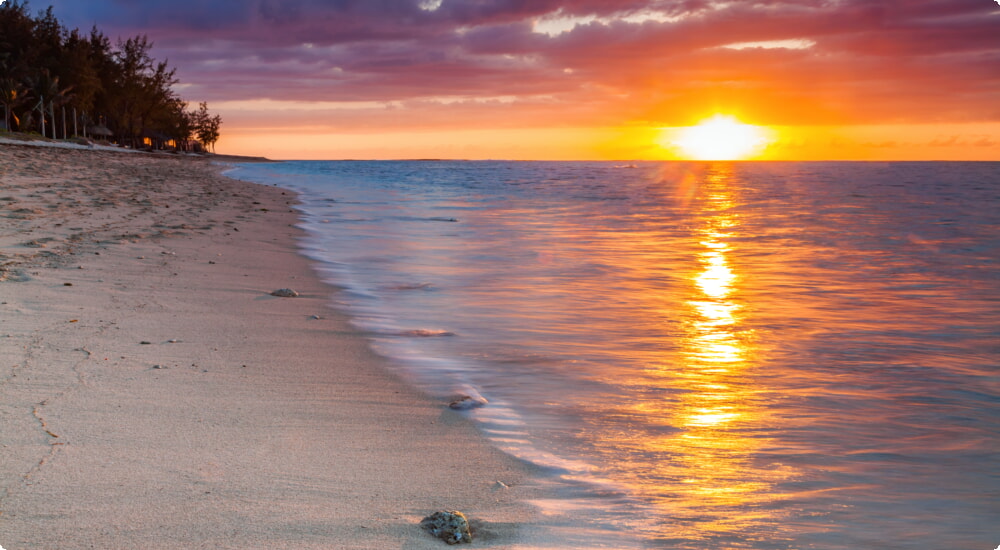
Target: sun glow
[{"x": 719, "y": 138}]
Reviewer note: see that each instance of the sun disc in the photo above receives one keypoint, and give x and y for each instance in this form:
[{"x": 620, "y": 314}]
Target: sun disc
[{"x": 720, "y": 138}]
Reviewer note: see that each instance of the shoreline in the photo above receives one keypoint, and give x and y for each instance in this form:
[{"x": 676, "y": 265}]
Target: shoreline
[
  {"x": 23, "y": 140},
  {"x": 155, "y": 394}
]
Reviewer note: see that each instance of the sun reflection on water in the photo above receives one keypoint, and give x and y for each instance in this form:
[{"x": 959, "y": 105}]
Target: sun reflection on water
[
  {"x": 723, "y": 492},
  {"x": 711, "y": 488}
]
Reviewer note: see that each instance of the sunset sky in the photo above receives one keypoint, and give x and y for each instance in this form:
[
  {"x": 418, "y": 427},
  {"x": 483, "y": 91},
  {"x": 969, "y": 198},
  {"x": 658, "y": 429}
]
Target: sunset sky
[{"x": 577, "y": 79}]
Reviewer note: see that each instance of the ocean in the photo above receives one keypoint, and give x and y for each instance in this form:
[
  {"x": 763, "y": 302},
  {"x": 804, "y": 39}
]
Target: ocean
[{"x": 695, "y": 355}]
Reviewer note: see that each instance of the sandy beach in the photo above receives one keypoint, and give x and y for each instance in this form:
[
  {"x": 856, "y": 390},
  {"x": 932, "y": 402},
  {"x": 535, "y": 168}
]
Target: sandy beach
[{"x": 154, "y": 394}]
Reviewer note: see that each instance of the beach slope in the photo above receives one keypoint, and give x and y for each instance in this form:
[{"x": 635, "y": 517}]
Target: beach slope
[{"x": 154, "y": 394}]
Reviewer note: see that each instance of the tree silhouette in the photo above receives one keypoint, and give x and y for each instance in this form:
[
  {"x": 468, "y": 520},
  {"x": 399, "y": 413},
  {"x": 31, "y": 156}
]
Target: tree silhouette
[
  {"x": 45, "y": 94},
  {"x": 44, "y": 66},
  {"x": 205, "y": 126},
  {"x": 12, "y": 97}
]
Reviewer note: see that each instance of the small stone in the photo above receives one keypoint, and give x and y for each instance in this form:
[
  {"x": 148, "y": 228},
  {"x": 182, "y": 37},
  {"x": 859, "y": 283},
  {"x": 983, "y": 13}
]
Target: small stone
[
  {"x": 285, "y": 293},
  {"x": 173, "y": 341},
  {"x": 466, "y": 402},
  {"x": 315, "y": 317},
  {"x": 159, "y": 367},
  {"x": 145, "y": 343},
  {"x": 449, "y": 526},
  {"x": 67, "y": 284}
]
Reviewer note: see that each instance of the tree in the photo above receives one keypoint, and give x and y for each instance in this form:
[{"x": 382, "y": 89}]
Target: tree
[
  {"x": 206, "y": 127},
  {"x": 47, "y": 40},
  {"x": 174, "y": 121},
  {"x": 140, "y": 89},
  {"x": 100, "y": 54},
  {"x": 78, "y": 69},
  {"x": 45, "y": 91},
  {"x": 122, "y": 87},
  {"x": 11, "y": 97},
  {"x": 17, "y": 41}
]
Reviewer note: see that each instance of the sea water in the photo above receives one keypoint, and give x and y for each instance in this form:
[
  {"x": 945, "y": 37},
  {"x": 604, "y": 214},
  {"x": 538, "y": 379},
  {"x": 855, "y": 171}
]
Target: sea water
[{"x": 697, "y": 355}]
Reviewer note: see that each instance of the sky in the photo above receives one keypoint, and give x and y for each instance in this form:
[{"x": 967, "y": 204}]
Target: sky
[{"x": 577, "y": 79}]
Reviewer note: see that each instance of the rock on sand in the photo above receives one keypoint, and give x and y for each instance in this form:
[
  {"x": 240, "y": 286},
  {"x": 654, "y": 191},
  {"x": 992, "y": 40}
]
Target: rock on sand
[{"x": 449, "y": 526}]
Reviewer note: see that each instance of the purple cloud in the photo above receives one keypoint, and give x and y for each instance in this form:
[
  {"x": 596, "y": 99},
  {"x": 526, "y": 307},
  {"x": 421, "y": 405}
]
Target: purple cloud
[{"x": 614, "y": 61}]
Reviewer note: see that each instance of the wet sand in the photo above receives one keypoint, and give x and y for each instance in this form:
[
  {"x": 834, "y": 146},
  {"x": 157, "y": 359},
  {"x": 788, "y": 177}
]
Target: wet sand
[{"x": 153, "y": 394}]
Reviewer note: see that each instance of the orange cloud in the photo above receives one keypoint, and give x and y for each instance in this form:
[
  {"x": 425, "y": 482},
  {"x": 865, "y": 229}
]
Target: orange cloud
[{"x": 356, "y": 67}]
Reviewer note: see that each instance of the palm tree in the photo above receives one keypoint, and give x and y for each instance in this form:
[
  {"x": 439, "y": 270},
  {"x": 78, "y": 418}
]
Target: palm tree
[
  {"x": 50, "y": 95},
  {"x": 11, "y": 96},
  {"x": 11, "y": 93}
]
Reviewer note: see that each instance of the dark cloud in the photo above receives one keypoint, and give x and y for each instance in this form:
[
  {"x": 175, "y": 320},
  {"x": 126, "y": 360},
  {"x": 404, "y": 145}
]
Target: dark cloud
[{"x": 625, "y": 60}]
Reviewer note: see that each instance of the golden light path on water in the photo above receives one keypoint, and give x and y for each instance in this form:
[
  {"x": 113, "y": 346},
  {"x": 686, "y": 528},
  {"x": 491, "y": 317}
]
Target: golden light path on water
[
  {"x": 717, "y": 399},
  {"x": 709, "y": 486}
]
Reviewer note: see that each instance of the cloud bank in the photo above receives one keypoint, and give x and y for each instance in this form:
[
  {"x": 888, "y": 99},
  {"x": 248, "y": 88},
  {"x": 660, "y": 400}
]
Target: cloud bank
[{"x": 379, "y": 64}]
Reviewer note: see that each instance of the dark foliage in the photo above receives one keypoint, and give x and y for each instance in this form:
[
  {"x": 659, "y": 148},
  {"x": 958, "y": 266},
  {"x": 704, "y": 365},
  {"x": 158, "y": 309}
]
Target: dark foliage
[{"x": 47, "y": 70}]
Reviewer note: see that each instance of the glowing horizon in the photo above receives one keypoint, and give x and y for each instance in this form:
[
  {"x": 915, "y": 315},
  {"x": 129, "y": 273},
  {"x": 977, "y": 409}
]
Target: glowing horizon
[{"x": 968, "y": 142}]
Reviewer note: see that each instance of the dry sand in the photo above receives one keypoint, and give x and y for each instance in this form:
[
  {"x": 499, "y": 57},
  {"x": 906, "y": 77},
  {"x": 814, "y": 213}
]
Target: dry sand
[{"x": 153, "y": 394}]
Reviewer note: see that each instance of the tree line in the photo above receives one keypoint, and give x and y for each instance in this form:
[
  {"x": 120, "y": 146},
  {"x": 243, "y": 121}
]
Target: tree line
[{"x": 108, "y": 91}]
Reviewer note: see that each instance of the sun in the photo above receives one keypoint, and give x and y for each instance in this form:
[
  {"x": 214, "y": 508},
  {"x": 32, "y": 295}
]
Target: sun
[{"x": 721, "y": 137}]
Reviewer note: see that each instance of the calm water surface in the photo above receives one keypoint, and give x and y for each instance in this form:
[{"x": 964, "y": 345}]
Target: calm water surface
[{"x": 705, "y": 355}]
